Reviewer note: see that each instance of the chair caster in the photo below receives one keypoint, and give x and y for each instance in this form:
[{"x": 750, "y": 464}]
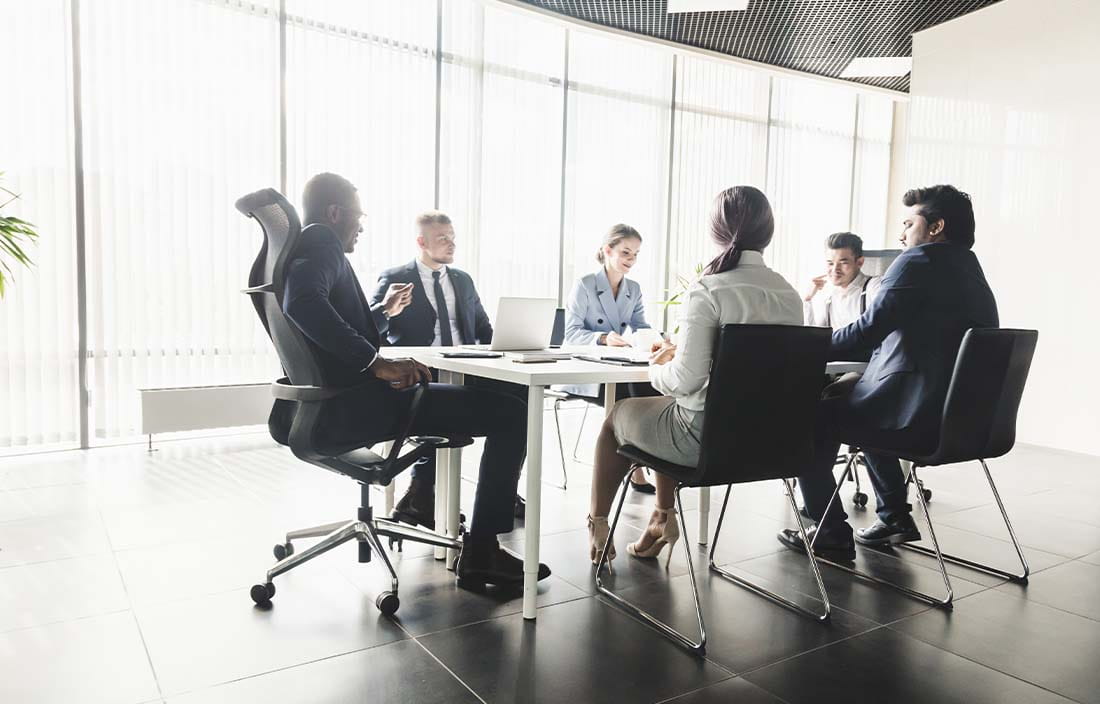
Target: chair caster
[
  {"x": 283, "y": 551},
  {"x": 262, "y": 593},
  {"x": 387, "y": 603},
  {"x": 927, "y": 494},
  {"x": 859, "y": 499}
]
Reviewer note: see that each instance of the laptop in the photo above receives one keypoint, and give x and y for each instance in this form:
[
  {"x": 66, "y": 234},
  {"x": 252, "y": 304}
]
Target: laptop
[{"x": 522, "y": 324}]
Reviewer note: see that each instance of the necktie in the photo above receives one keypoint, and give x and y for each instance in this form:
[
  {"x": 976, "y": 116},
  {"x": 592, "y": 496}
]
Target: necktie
[{"x": 441, "y": 312}]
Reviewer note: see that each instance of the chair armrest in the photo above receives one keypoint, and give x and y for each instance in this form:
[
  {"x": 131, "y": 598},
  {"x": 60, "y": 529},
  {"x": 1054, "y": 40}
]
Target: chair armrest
[{"x": 283, "y": 389}]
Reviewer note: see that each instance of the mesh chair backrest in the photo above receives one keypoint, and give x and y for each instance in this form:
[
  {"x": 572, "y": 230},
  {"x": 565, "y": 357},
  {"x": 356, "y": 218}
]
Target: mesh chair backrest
[
  {"x": 762, "y": 401},
  {"x": 979, "y": 414},
  {"x": 282, "y": 229},
  {"x": 557, "y": 335}
]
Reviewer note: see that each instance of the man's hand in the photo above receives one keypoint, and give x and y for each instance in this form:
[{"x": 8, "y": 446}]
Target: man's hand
[
  {"x": 614, "y": 339},
  {"x": 397, "y": 298},
  {"x": 401, "y": 373},
  {"x": 816, "y": 284},
  {"x": 662, "y": 352}
]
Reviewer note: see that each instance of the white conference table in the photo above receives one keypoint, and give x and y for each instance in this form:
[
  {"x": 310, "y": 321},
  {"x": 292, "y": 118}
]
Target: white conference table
[{"x": 536, "y": 377}]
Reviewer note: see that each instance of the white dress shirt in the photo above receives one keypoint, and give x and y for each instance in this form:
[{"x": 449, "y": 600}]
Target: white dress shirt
[
  {"x": 448, "y": 295},
  {"x": 750, "y": 293},
  {"x": 839, "y": 306}
]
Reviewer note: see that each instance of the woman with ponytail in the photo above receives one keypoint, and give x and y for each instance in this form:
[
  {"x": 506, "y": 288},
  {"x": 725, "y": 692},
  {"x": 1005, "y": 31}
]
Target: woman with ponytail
[{"x": 737, "y": 287}]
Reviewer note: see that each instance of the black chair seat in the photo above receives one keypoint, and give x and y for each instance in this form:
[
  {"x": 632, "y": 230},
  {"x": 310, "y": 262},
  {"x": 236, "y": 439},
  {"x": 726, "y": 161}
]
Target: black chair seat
[{"x": 676, "y": 471}]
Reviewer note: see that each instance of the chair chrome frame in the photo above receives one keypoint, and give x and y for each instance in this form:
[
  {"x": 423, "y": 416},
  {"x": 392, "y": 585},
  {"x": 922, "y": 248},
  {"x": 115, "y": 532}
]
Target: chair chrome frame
[
  {"x": 560, "y": 398},
  {"x": 698, "y": 647},
  {"x": 935, "y": 551},
  {"x": 824, "y": 616}
]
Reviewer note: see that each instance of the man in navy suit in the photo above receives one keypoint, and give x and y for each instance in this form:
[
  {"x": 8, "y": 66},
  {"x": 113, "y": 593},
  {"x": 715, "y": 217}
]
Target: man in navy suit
[
  {"x": 437, "y": 305},
  {"x": 322, "y": 297},
  {"x": 931, "y": 295}
]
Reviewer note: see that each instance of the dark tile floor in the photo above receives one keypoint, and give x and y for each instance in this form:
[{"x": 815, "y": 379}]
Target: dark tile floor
[{"x": 124, "y": 577}]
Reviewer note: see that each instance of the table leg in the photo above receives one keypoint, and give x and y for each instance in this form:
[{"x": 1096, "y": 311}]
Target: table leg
[
  {"x": 704, "y": 515},
  {"x": 442, "y": 483},
  {"x": 454, "y": 488},
  {"x": 534, "y": 502}
]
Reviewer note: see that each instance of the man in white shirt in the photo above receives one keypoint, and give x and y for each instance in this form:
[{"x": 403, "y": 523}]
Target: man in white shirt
[
  {"x": 441, "y": 308},
  {"x": 843, "y": 293}
]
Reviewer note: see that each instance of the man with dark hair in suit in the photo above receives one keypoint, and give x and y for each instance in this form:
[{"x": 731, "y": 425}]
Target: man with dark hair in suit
[
  {"x": 438, "y": 306},
  {"x": 932, "y": 294},
  {"x": 322, "y": 297}
]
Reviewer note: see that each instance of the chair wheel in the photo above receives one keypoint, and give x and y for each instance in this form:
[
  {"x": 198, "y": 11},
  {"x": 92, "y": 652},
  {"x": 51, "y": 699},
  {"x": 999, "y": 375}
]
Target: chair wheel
[
  {"x": 387, "y": 603},
  {"x": 927, "y": 494},
  {"x": 262, "y": 593},
  {"x": 859, "y": 499},
  {"x": 283, "y": 551}
]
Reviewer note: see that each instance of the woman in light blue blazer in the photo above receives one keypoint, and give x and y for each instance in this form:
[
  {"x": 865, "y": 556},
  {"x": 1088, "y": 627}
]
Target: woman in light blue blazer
[{"x": 602, "y": 307}]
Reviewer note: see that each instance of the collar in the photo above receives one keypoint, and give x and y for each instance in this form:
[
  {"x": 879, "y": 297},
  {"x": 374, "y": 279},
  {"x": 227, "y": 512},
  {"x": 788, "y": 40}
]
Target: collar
[
  {"x": 750, "y": 257},
  {"x": 426, "y": 270}
]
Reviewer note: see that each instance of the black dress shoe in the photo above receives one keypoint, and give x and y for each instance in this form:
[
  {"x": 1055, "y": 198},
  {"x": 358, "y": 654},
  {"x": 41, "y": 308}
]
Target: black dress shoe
[
  {"x": 643, "y": 488},
  {"x": 827, "y": 546},
  {"x": 521, "y": 507},
  {"x": 486, "y": 562},
  {"x": 900, "y": 530},
  {"x": 417, "y": 506}
]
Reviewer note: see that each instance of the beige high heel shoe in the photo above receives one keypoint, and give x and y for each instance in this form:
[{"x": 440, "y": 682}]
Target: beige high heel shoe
[
  {"x": 650, "y": 546},
  {"x": 598, "y": 531}
]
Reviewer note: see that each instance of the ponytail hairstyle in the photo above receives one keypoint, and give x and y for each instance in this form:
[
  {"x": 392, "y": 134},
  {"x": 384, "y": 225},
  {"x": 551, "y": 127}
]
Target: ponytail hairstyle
[
  {"x": 740, "y": 219},
  {"x": 614, "y": 236}
]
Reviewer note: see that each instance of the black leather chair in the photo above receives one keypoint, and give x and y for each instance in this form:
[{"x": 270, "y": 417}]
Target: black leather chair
[
  {"x": 305, "y": 387},
  {"x": 759, "y": 424},
  {"x": 978, "y": 423}
]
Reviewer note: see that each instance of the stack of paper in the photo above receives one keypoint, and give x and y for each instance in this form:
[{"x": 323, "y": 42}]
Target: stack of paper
[{"x": 537, "y": 356}]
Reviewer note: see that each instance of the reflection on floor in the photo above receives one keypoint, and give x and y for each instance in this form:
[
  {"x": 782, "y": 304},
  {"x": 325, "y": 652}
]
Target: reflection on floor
[{"x": 124, "y": 577}]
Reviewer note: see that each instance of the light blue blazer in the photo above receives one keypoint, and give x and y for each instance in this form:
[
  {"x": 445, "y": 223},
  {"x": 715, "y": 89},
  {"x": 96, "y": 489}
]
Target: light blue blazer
[{"x": 591, "y": 311}]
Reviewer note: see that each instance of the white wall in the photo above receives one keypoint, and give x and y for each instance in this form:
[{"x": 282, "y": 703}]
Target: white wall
[{"x": 1005, "y": 106}]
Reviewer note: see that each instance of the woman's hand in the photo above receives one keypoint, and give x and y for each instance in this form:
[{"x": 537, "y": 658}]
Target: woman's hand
[
  {"x": 662, "y": 352},
  {"x": 614, "y": 339}
]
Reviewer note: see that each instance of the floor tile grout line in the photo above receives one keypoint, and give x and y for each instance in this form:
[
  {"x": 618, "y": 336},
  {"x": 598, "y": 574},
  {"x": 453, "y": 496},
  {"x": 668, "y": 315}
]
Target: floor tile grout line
[
  {"x": 715, "y": 684},
  {"x": 750, "y": 671},
  {"x": 451, "y": 672},
  {"x": 978, "y": 663},
  {"x": 133, "y": 611},
  {"x": 498, "y": 617},
  {"x": 58, "y": 622}
]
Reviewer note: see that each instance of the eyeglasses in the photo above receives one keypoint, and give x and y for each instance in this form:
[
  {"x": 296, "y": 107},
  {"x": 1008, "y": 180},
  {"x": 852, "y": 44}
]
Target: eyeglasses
[{"x": 357, "y": 214}]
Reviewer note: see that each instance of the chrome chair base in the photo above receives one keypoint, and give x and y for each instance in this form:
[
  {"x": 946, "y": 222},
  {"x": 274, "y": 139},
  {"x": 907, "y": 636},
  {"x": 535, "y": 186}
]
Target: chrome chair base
[
  {"x": 941, "y": 557},
  {"x": 824, "y": 616},
  {"x": 368, "y": 532},
  {"x": 699, "y": 646}
]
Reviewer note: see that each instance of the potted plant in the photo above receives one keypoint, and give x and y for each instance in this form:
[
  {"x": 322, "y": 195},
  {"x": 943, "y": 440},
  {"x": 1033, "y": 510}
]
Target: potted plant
[{"x": 15, "y": 234}]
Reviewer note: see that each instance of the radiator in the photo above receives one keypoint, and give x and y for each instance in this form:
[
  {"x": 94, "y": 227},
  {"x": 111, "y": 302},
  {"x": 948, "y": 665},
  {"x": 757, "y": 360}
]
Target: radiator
[{"x": 204, "y": 407}]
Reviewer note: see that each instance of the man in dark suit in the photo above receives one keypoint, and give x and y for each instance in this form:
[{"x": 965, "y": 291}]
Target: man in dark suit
[
  {"x": 438, "y": 306},
  {"x": 931, "y": 295},
  {"x": 323, "y": 298}
]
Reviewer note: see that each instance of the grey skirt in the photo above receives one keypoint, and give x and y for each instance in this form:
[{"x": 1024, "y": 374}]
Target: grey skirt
[{"x": 659, "y": 427}]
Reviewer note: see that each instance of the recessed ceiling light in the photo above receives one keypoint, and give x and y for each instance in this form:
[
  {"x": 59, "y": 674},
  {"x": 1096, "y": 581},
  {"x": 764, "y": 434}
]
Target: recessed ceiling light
[
  {"x": 707, "y": 5},
  {"x": 868, "y": 66}
]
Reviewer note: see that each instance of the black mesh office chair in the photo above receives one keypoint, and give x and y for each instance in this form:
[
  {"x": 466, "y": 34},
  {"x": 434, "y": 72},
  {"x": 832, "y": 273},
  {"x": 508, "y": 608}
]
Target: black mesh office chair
[
  {"x": 978, "y": 423},
  {"x": 759, "y": 424},
  {"x": 305, "y": 387}
]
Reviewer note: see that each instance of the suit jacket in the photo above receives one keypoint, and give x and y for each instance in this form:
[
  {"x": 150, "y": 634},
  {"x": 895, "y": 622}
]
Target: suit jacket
[
  {"x": 592, "y": 311},
  {"x": 415, "y": 327},
  {"x": 323, "y": 298},
  {"x": 930, "y": 296}
]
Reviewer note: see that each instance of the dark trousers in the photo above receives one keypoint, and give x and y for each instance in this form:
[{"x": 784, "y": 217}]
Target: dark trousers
[
  {"x": 448, "y": 409},
  {"x": 838, "y": 423},
  {"x": 425, "y": 471}
]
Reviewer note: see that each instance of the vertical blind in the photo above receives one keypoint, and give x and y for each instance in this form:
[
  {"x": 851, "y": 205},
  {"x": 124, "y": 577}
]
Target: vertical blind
[
  {"x": 38, "y": 316},
  {"x": 535, "y": 138}
]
